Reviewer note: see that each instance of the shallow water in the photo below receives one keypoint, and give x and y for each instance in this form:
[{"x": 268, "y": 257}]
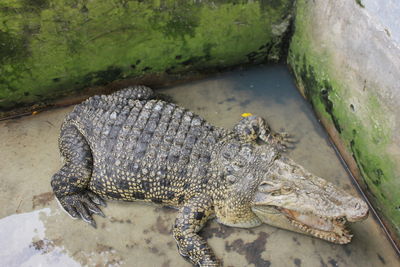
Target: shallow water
[{"x": 35, "y": 232}]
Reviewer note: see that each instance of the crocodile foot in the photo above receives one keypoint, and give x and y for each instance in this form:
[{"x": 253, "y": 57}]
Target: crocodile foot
[
  {"x": 83, "y": 205},
  {"x": 282, "y": 141}
]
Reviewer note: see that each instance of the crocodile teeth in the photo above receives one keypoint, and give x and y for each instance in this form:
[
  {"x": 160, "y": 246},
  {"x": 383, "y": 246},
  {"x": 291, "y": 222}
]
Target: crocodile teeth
[{"x": 331, "y": 229}]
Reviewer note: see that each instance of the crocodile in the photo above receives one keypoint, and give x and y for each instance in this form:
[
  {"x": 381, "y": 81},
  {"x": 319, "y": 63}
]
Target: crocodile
[{"x": 132, "y": 146}]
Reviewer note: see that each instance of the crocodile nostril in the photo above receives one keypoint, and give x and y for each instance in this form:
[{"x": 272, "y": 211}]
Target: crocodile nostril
[{"x": 357, "y": 210}]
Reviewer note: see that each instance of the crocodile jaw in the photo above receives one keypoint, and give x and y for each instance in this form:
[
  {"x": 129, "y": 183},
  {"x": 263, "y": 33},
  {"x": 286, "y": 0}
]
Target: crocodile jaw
[
  {"x": 330, "y": 229},
  {"x": 290, "y": 197}
]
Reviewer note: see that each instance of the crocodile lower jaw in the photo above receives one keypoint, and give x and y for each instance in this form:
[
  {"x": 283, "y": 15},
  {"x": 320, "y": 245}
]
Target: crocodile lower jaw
[{"x": 330, "y": 229}]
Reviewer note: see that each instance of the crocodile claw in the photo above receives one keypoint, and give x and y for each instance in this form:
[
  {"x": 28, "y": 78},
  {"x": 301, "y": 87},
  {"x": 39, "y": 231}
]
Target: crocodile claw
[
  {"x": 283, "y": 141},
  {"x": 96, "y": 199},
  {"x": 83, "y": 205}
]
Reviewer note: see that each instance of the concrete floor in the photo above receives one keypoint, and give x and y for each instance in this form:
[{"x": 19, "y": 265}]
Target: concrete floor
[{"x": 35, "y": 232}]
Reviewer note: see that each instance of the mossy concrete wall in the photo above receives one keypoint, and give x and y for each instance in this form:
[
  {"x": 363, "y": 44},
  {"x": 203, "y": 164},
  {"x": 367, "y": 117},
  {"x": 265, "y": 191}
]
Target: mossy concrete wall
[
  {"x": 346, "y": 59},
  {"x": 55, "y": 48}
]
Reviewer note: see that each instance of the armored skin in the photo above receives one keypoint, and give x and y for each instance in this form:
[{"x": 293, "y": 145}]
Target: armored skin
[{"x": 129, "y": 146}]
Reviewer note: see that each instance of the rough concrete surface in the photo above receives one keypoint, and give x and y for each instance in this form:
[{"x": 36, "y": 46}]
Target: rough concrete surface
[{"x": 35, "y": 232}]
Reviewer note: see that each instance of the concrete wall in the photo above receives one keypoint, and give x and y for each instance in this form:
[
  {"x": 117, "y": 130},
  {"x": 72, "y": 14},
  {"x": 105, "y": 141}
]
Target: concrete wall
[
  {"x": 346, "y": 59},
  {"x": 55, "y": 48}
]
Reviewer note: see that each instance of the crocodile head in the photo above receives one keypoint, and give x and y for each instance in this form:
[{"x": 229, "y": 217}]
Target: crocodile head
[
  {"x": 290, "y": 197},
  {"x": 282, "y": 193}
]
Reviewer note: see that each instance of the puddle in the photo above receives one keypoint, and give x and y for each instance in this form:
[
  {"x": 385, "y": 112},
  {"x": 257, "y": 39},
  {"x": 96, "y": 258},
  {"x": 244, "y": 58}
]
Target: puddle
[{"x": 34, "y": 232}]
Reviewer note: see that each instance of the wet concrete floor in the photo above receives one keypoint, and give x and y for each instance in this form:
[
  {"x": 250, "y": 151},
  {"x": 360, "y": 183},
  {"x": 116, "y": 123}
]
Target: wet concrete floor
[{"x": 35, "y": 232}]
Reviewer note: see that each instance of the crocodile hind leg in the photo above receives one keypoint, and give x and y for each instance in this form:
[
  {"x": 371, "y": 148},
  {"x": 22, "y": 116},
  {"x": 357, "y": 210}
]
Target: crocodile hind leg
[
  {"x": 251, "y": 128},
  {"x": 191, "y": 218},
  {"x": 70, "y": 183}
]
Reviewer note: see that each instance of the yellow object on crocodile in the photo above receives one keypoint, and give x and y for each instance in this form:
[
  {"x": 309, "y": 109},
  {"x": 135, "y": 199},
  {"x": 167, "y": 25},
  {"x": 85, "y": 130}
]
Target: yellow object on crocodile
[{"x": 245, "y": 115}]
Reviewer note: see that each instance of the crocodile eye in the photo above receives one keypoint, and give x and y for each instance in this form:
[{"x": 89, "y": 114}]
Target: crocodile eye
[
  {"x": 266, "y": 186},
  {"x": 276, "y": 193},
  {"x": 286, "y": 190}
]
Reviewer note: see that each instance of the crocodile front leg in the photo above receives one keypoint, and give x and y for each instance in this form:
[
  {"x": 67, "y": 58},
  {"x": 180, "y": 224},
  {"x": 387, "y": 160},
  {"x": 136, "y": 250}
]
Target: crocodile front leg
[
  {"x": 70, "y": 183},
  {"x": 191, "y": 218}
]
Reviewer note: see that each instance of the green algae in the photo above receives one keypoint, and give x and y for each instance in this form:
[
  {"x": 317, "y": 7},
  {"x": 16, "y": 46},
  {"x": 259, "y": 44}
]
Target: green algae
[
  {"x": 367, "y": 140},
  {"x": 363, "y": 128},
  {"x": 56, "y": 48},
  {"x": 360, "y": 3}
]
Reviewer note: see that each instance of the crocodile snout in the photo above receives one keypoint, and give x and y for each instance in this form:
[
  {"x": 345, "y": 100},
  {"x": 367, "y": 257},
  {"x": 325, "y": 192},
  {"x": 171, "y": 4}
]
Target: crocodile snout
[{"x": 357, "y": 210}]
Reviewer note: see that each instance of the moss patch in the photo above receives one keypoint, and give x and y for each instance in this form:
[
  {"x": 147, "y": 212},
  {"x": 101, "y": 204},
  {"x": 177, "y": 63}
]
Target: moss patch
[
  {"x": 360, "y": 3},
  {"x": 56, "y": 48}
]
